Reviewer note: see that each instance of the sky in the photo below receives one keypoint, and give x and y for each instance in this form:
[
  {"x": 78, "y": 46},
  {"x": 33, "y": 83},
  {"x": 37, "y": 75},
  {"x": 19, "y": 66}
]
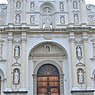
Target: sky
[{"x": 87, "y": 1}]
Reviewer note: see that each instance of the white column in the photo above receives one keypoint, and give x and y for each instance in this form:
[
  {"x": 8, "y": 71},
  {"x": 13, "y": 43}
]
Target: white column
[
  {"x": 11, "y": 11},
  {"x": 71, "y": 20},
  {"x": 87, "y": 60},
  {"x": 24, "y": 12},
  {"x": 73, "y": 60},
  {"x": 23, "y": 62},
  {"x": 83, "y": 11},
  {"x": 9, "y": 60}
]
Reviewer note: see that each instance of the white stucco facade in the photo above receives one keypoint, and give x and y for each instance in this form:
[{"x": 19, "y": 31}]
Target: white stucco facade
[{"x": 38, "y": 32}]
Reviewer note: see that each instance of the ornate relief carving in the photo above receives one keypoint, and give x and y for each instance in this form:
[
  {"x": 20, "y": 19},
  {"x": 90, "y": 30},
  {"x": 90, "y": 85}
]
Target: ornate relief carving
[
  {"x": 48, "y": 36},
  {"x": 3, "y": 10},
  {"x": 47, "y": 50},
  {"x": 16, "y": 76}
]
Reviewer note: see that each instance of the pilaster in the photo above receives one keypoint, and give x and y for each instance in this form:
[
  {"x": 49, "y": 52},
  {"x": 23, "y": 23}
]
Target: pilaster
[
  {"x": 86, "y": 60},
  {"x": 1, "y": 41},
  {"x": 23, "y": 62},
  {"x": 73, "y": 60},
  {"x": 24, "y": 12},
  {"x": 83, "y": 11},
  {"x": 11, "y": 17},
  {"x": 9, "y": 60},
  {"x": 70, "y": 12}
]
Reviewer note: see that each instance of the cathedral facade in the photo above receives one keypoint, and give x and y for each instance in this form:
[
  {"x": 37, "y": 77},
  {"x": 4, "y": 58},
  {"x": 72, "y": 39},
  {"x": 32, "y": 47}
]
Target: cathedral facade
[{"x": 47, "y": 47}]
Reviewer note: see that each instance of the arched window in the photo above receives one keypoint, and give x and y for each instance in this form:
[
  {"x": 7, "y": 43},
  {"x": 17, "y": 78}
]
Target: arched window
[
  {"x": 0, "y": 85},
  {"x": 48, "y": 80}
]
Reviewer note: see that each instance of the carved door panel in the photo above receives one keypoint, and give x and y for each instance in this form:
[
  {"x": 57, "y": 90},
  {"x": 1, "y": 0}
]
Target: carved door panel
[{"x": 48, "y": 83}]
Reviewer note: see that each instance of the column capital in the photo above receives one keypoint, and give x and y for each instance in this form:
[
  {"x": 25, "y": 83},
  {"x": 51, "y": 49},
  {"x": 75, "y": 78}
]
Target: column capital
[
  {"x": 10, "y": 36},
  {"x": 72, "y": 37},
  {"x": 85, "y": 40},
  {"x": 23, "y": 37}
]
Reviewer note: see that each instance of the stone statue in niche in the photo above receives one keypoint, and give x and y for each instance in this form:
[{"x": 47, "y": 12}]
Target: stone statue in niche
[
  {"x": 17, "y": 52},
  {"x": 47, "y": 24},
  {"x": 91, "y": 19},
  {"x": 16, "y": 76},
  {"x": 47, "y": 49},
  {"x": 17, "y": 19},
  {"x": 79, "y": 52},
  {"x": 18, "y": 4},
  {"x": 80, "y": 77},
  {"x": 32, "y": 19},
  {"x": 62, "y": 19},
  {"x": 75, "y": 5},
  {"x": 61, "y": 5},
  {"x": 32, "y": 5},
  {"x": 76, "y": 19}
]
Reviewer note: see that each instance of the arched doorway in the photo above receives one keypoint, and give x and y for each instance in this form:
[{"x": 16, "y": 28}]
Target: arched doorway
[
  {"x": 43, "y": 54},
  {"x": 48, "y": 80}
]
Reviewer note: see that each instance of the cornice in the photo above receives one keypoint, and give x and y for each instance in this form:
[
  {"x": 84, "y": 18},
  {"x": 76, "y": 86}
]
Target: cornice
[{"x": 54, "y": 30}]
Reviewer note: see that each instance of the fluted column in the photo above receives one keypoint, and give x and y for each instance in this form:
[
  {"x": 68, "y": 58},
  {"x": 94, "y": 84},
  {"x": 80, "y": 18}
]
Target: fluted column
[
  {"x": 86, "y": 60},
  {"x": 24, "y": 12},
  {"x": 73, "y": 60},
  {"x": 23, "y": 61},
  {"x": 71, "y": 21},
  {"x": 83, "y": 11},
  {"x": 11, "y": 11},
  {"x": 9, "y": 60}
]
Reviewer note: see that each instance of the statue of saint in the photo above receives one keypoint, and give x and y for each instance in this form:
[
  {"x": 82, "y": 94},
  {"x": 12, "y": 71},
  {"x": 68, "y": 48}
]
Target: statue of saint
[
  {"x": 62, "y": 20},
  {"x": 75, "y": 6},
  {"x": 47, "y": 24},
  {"x": 32, "y": 6},
  {"x": 17, "y": 52},
  {"x": 79, "y": 52},
  {"x": 17, "y": 19},
  {"x": 18, "y": 4},
  {"x": 32, "y": 20},
  {"x": 61, "y": 6},
  {"x": 16, "y": 77},
  {"x": 47, "y": 49},
  {"x": 76, "y": 19},
  {"x": 80, "y": 77}
]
